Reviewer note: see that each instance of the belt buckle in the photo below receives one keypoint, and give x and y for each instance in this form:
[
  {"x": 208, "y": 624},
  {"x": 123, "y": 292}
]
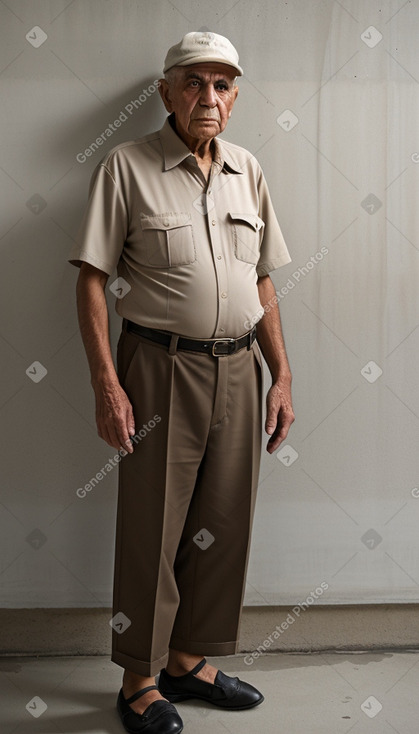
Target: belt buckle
[{"x": 227, "y": 342}]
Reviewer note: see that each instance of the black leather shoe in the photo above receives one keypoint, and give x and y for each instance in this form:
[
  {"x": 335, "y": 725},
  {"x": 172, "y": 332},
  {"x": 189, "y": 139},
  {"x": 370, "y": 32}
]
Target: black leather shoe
[
  {"x": 160, "y": 717},
  {"x": 225, "y": 692}
]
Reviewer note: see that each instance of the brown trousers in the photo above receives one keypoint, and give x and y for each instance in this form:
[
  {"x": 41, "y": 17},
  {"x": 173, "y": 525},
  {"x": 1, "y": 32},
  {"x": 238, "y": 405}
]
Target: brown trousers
[{"x": 186, "y": 500}]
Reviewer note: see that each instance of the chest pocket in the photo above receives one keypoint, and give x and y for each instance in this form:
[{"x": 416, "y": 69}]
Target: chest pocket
[
  {"x": 168, "y": 239},
  {"x": 247, "y": 230}
]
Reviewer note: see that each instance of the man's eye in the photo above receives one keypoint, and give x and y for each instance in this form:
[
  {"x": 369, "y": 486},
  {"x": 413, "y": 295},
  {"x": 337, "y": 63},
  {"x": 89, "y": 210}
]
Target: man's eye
[
  {"x": 194, "y": 83},
  {"x": 222, "y": 87}
]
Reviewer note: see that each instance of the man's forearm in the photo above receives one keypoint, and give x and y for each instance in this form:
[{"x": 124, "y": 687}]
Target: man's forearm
[
  {"x": 269, "y": 332},
  {"x": 94, "y": 326},
  {"x": 114, "y": 416}
]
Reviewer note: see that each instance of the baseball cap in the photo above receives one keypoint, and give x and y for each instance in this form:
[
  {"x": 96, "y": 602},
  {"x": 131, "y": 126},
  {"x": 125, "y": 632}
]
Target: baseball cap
[{"x": 199, "y": 46}]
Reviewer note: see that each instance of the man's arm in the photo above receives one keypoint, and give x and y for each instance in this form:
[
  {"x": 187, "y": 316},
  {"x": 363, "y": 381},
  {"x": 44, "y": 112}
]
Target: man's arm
[
  {"x": 279, "y": 412},
  {"x": 114, "y": 416}
]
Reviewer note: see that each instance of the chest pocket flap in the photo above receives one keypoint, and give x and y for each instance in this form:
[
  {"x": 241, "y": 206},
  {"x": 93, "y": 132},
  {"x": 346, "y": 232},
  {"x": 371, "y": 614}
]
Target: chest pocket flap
[
  {"x": 168, "y": 239},
  {"x": 247, "y": 230}
]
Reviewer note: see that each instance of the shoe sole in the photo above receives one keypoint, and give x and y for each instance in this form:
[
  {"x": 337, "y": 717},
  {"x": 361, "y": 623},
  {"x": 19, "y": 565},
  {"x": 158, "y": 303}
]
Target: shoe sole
[
  {"x": 135, "y": 731},
  {"x": 177, "y": 697}
]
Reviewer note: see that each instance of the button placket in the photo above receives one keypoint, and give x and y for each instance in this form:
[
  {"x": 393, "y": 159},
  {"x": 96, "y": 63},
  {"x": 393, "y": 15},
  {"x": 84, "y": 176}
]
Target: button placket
[{"x": 219, "y": 262}]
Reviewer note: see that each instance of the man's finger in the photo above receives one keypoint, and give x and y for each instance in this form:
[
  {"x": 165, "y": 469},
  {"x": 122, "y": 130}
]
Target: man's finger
[
  {"x": 130, "y": 421},
  {"x": 269, "y": 427},
  {"x": 114, "y": 438},
  {"x": 271, "y": 419},
  {"x": 107, "y": 437},
  {"x": 276, "y": 441},
  {"x": 272, "y": 446},
  {"x": 116, "y": 431},
  {"x": 124, "y": 439}
]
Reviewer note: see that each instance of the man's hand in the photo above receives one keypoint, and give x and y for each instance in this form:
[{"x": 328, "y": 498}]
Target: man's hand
[
  {"x": 279, "y": 414},
  {"x": 114, "y": 416}
]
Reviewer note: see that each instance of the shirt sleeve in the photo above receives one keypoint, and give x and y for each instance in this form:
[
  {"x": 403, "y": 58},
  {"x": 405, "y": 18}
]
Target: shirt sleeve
[
  {"x": 273, "y": 251},
  {"x": 103, "y": 230}
]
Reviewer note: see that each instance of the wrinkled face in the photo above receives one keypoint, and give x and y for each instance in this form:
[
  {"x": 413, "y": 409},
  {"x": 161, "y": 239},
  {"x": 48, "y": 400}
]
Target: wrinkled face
[{"x": 202, "y": 97}]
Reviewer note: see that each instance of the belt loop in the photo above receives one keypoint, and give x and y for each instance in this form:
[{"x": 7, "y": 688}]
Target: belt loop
[{"x": 173, "y": 343}]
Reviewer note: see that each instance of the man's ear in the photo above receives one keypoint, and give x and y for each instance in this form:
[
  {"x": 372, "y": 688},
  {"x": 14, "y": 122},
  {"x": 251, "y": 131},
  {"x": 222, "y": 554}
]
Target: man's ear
[
  {"x": 235, "y": 93},
  {"x": 165, "y": 94}
]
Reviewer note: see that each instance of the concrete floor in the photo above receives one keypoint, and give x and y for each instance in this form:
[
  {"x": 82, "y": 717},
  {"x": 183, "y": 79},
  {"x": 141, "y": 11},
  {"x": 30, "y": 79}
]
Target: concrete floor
[{"x": 322, "y": 693}]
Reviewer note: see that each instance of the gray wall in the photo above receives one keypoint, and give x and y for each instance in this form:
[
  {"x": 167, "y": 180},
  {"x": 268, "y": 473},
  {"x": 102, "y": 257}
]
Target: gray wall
[{"x": 341, "y": 505}]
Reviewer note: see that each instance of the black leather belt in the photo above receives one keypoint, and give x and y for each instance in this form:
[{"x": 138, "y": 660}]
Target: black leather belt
[{"x": 215, "y": 347}]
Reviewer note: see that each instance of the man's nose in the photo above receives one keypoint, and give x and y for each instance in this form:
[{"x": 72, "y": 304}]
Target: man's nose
[{"x": 208, "y": 97}]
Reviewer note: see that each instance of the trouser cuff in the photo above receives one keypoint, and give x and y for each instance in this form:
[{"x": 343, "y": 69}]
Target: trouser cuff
[
  {"x": 141, "y": 667},
  {"x": 205, "y": 648}
]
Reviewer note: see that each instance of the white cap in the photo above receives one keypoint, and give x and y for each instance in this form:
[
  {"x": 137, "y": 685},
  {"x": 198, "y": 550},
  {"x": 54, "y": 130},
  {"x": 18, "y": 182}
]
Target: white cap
[{"x": 198, "y": 47}]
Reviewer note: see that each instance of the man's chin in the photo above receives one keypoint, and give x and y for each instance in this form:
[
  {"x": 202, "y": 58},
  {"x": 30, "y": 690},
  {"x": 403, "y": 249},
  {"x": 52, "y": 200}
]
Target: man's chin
[{"x": 204, "y": 127}]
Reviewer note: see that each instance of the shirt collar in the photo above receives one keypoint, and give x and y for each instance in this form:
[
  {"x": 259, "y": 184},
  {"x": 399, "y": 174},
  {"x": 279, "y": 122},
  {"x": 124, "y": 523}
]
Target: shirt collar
[{"x": 175, "y": 150}]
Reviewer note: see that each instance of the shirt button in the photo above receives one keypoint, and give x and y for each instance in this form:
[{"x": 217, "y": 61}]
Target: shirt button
[
  {"x": 166, "y": 223},
  {"x": 224, "y": 294},
  {"x": 222, "y": 330},
  {"x": 213, "y": 222},
  {"x": 209, "y": 191},
  {"x": 218, "y": 257}
]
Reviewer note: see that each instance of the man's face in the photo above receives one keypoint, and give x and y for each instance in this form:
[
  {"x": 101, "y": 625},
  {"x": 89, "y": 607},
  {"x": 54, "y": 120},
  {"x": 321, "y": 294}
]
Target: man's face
[{"x": 202, "y": 97}]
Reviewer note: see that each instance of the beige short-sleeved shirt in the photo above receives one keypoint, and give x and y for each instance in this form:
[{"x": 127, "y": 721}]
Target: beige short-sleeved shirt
[{"x": 190, "y": 250}]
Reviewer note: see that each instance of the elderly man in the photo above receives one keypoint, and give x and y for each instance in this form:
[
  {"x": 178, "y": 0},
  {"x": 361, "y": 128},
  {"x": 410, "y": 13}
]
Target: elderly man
[{"x": 187, "y": 221}]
